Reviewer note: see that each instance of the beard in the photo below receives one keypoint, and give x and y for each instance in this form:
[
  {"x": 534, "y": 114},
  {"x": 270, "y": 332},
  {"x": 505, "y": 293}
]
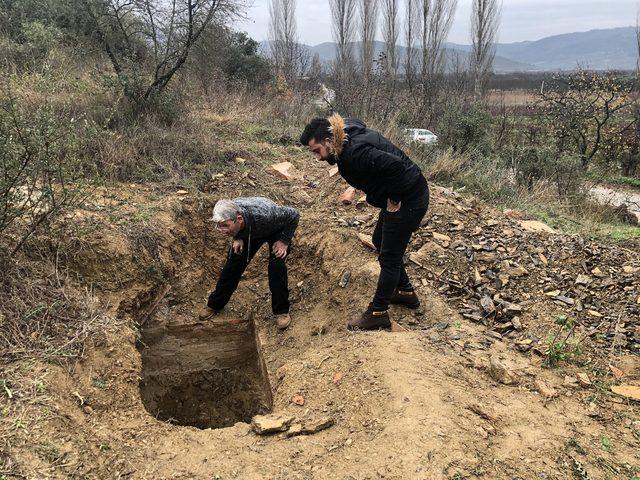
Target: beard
[{"x": 331, "y": 159}]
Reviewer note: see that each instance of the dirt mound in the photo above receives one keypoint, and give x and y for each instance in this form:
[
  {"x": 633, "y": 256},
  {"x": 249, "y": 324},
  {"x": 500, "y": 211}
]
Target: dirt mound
[{"x": 430, "y": 403}]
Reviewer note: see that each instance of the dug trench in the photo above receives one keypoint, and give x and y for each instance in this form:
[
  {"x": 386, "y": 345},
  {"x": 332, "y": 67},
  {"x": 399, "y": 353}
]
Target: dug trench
[{"x": 167, "y": 396}]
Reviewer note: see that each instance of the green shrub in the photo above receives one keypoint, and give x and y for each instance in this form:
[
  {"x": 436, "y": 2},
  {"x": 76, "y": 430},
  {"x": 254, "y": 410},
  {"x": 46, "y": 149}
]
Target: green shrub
[{"x": 466, "y": 129}]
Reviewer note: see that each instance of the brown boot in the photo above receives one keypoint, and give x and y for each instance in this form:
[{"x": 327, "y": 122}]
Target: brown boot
[
  {"x": 407, "y": 299},
  {"x": 370, "y": 320},
  {"x": 206, "y": 313},
  {"x": 283, "y": 321}
]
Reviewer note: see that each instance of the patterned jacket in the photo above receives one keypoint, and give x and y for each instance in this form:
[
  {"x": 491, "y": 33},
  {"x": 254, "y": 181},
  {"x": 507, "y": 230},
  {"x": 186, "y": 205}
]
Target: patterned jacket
[{"x": 263, "y": 218}]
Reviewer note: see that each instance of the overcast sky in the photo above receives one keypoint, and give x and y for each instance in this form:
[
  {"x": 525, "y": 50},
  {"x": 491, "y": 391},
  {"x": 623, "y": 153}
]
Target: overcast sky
[{"x": 521, "y": 19}]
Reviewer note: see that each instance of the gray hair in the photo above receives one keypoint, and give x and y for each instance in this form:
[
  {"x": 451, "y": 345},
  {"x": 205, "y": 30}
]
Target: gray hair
[{"x": 225, "y": 210}]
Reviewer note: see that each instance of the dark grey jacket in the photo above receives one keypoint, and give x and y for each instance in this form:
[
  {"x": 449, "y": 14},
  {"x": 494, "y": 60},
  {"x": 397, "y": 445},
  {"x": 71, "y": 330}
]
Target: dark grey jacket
[{"x": 263, "y": 218}]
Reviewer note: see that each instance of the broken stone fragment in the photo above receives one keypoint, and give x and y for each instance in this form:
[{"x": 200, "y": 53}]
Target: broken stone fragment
[
  {"x": 366, "y": 240},
  {"x": 536, "y": 227},
  {"x": 344, "y": 280},
  {"x": 583, "y": 380},
  {"x": 284, "y": 170},
  {"x": 583, "y": 280},
  {"x": 441, "y": 237},
  {"x": 348, "y": 196},
  {"x": 333, "y": 171},
  {"x": 565, "y": 300},
  {"x": 309, "y": 427},
  {"x": 487, "y": 304},
  {"x": 631, "y": 392},
  {"x": 544, "y": 390},
  {"x": 272, "y": 423},
  {"x": 500, "y": 373}
]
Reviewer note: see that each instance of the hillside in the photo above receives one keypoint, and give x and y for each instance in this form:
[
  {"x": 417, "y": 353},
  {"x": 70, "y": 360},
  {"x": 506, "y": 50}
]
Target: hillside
[{"x": 607, "y": 49}]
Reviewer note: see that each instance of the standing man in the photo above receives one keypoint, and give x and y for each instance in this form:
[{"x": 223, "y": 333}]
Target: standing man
[
  {"x": 252, "y": 222},
  {"x": 393, "y": 183}
]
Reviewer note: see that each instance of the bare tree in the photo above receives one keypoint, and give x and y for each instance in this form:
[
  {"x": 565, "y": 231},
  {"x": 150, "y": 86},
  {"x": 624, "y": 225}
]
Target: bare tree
[
  {"x": 437, "y": 17},
  {"x": 390, "y": 35},
  {"x": 343, "y": 16},
  {"x": 148, "y": 41},
  {"x": 286, "y": 53},
  {"x": 411, "y": 32},
  {"x": 485, "y": 22},
  {"x": 368, "y": 27}
]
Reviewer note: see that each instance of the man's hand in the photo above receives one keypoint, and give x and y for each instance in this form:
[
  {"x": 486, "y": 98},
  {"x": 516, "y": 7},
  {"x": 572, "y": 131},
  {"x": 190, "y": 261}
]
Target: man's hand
[
  {"x": 392, "y": 206},
  {"x": 237, "y": 246},
  {"x": 280, "y": 249}
]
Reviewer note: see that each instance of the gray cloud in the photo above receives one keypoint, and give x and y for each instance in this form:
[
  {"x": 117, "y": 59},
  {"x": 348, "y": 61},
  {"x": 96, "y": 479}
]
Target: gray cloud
[{"x": 521, "y": 19}]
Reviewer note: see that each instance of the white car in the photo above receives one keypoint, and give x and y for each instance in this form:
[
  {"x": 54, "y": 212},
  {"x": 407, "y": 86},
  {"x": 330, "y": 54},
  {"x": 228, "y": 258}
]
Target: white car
[{"x": 421, "y": 135}]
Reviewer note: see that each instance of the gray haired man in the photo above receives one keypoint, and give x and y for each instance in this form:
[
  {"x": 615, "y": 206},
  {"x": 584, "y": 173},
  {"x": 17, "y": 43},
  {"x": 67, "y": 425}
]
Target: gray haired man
[{"x": 252, "y": 222}]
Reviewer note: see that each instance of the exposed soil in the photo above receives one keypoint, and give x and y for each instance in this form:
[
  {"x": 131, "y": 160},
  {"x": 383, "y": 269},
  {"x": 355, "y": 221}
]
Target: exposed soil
[{"x": 147, "y": 402}]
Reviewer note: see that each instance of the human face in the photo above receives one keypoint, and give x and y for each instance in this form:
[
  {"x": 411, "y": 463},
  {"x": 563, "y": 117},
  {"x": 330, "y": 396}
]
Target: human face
[
  {"x": 322, "y": 151},
  {"x": 231, "y": 227}
]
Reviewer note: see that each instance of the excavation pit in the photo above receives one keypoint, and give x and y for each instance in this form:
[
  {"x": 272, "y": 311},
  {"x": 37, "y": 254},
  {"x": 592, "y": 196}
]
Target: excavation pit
[{"x": 204, "y": 376}]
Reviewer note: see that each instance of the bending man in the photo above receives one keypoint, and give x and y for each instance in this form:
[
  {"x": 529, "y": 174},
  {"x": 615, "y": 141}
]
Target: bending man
[
  {"x": 393, "y": 183},
  {"x": 252, "y": 222}
]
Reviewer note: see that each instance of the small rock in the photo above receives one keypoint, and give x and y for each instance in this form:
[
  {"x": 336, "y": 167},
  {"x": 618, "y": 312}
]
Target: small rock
[
  {"x": 348, "y": 196},
  {"x": 337, "y": 377},
  {"x": 544, "y": 390},
  {"x": 344, "y": 280},
  {"x": 273, "y": 423},
  {"x": 536, "y": 227},
  {"x": 593, "y": 313},
  {"x": 500, "y": 373},
  {"x": 298, "y": 400},
  {"x": 583, "y": 380},
  {"x": 630, "y": 269},
  {"x": 440, "y": 237},
  {"x": 312, "y": 426},
  {"x": 570, "y": 381},
  {"x": 294, "y": 430},
  {"x": 565, "y": 300},
  {"x": 366, "y": 240},
  {"x": 597, "y": 272},
  {"x": 182, "y": 192},
  {"x": 333, "y": 171},
  {"x": 583, "y": 280},
  {"x": 487, "y": 304},
  {"x": 517, "y": 324}
]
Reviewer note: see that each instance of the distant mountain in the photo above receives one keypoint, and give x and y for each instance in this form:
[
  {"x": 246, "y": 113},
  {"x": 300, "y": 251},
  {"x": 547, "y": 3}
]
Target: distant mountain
[{"x": 609, "y": 49}]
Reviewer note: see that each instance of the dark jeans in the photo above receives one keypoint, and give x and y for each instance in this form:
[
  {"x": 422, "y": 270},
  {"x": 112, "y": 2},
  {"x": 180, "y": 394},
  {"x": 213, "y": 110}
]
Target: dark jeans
[
  {"x": 391, "y": 238},
  {"x": 235, "y": 267}
]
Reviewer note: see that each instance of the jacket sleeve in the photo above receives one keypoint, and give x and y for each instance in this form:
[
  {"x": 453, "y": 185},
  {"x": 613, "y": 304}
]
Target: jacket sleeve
[
  {"x": 288, "y": 217},
  {"x": 390, "y": 167}
]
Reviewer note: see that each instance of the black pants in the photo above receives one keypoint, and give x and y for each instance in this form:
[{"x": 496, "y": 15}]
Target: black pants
[
  {"x": 391, "y": 238},
  {"x": 235, "y": 267}
]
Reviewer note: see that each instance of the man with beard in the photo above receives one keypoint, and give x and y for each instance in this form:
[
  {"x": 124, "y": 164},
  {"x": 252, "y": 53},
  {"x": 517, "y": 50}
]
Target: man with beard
[{"x": 393, "y": 183}]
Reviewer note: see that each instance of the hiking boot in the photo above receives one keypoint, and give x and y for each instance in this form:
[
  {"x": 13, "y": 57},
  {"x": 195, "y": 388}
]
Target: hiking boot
[
  {"x": 407, "y": 299},
  {"x": 206, "y": 313},
  {"x": 370, "y": 320},
  {"x": 283, "y": 321}
]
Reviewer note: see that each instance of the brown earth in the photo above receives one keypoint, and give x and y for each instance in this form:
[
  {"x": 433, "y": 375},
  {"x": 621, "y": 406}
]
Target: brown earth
[{"x": 461, "y": 394}]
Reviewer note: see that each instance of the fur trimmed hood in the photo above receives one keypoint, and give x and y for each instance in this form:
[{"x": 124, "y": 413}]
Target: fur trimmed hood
[
  {"x": 343, "y": 129},
  {"x": 340, "y": 137}
]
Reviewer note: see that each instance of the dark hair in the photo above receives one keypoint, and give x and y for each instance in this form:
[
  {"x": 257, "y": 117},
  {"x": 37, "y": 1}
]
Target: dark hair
[{"x": 318, "y": 129}]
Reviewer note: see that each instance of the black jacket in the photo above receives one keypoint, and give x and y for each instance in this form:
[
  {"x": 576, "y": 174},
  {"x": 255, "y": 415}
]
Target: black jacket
[{"x": 371, "y": 163}]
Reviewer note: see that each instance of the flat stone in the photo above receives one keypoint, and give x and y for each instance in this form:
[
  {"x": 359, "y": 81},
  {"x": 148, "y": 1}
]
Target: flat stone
[
  {"x": 583, "y": 280},
  {"x": 284, "y": 170},
  {"x": 628, "y": 391},
  {"x": 333, "y": 171},
  {"x": 273, "y": 423},
  {"x": 441, "y": 237},
  {"x": 536, "y": 227}
]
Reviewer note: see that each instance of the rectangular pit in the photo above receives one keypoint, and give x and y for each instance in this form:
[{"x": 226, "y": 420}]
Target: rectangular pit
[{"x": 209, "y": 375}]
